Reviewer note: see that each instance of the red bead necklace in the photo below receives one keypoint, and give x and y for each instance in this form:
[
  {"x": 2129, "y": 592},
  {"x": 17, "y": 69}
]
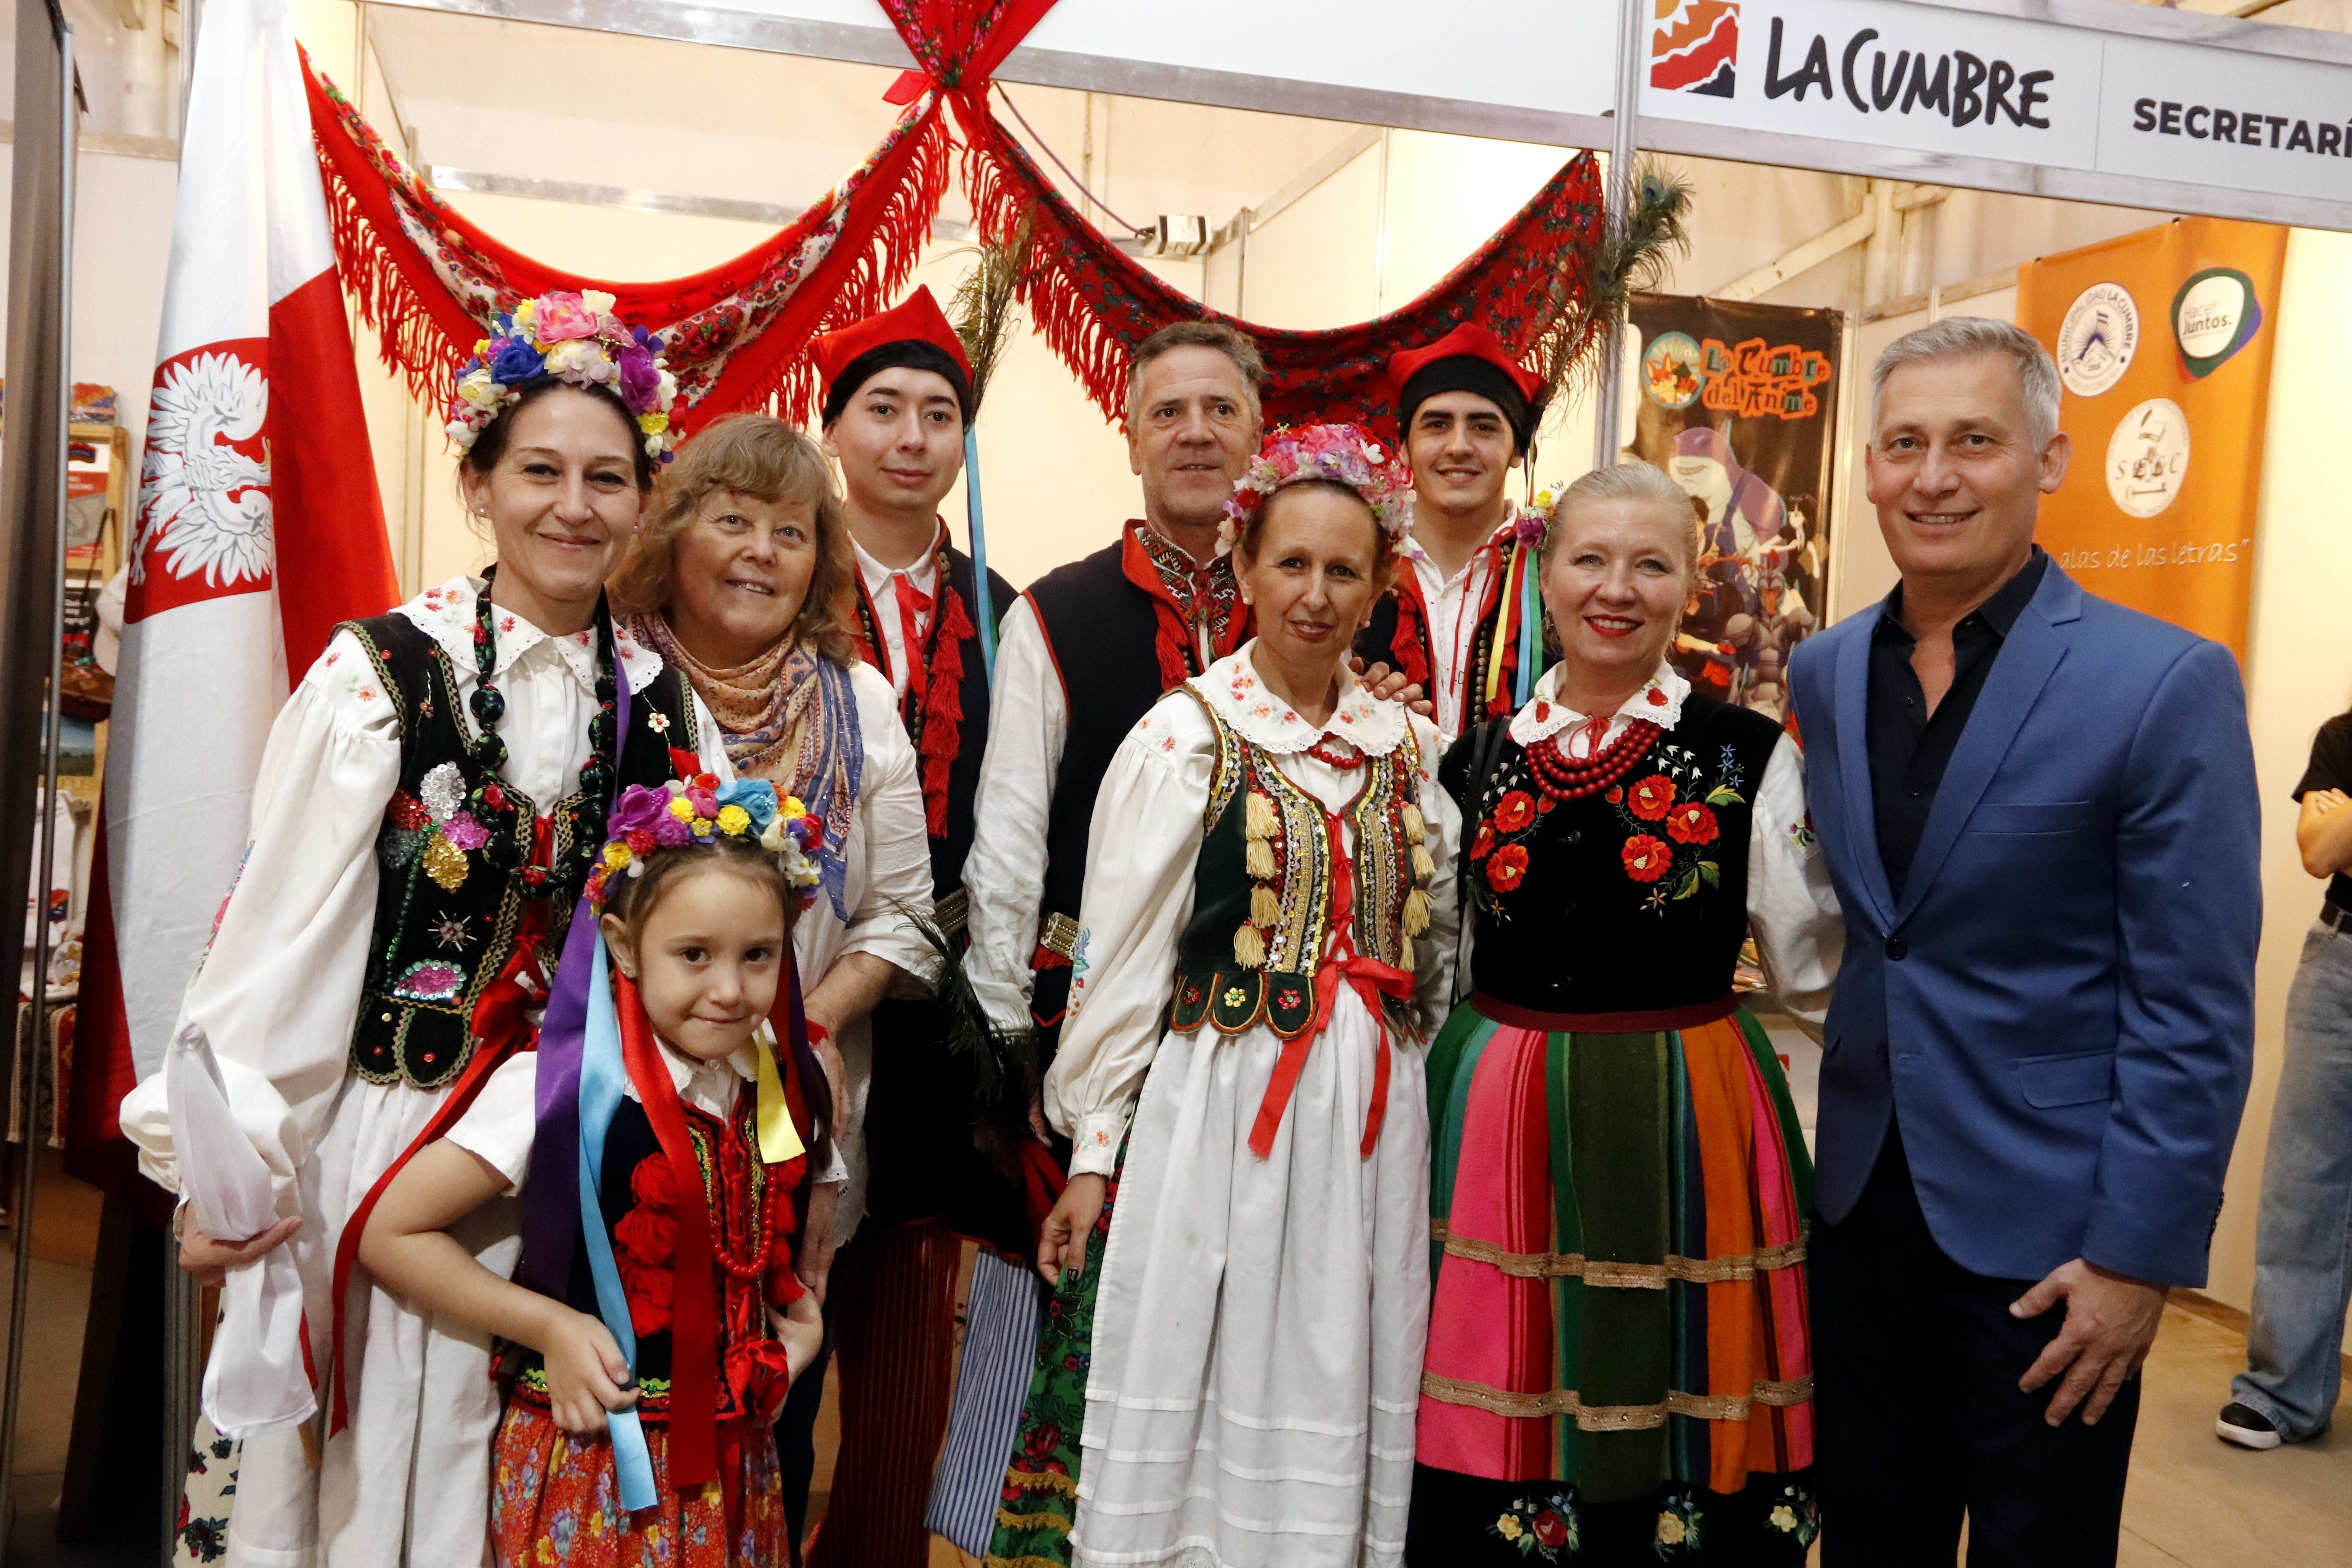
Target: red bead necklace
[
  {"x": 1334, "y": 759},
  {"x": 1562, "y": 777}
]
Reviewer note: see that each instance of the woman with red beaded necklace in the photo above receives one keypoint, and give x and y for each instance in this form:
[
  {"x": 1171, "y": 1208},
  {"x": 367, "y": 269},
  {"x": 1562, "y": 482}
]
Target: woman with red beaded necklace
[{"x": 1618, "y": 1367}]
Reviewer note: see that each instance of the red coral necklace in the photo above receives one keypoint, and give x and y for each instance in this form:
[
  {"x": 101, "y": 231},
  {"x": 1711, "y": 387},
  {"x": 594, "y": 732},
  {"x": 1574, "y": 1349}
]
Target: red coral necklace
[{"x": 1562, "y": 777}]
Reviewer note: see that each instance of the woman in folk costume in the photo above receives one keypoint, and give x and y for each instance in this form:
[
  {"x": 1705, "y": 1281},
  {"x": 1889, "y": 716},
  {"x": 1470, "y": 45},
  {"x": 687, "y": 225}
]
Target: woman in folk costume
[
  {"x": 637, "y": 1431},
  {"x": 433, "y": 796},
  {"x": 1265, "y": 931},
  {"x": 744, "y": 577},
  {"x": 1619, "y": 1368}
]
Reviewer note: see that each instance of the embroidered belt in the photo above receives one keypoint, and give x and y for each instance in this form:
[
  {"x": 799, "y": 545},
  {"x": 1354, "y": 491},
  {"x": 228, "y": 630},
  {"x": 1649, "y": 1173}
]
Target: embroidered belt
[
  {"x": 1060, "y": 935},
  {"x": 953, "y": 914},
  {"x": 1614, "y": 1417},
  {"x": 1617, "y": 1275},
  {"x": 1641, "y": 1023}
]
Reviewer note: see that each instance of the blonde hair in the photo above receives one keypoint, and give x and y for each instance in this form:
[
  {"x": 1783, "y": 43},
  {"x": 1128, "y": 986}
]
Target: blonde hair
[
  {"x": 759, "y": 456},
  {"x": 1638, "y": 484}
]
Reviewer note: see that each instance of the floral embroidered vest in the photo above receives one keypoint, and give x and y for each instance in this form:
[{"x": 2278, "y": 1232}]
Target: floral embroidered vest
[
  {"x": 1266, "y": 887},
  {"x": 447, "y": 921},
  {"x": 1630, "y": 899}
]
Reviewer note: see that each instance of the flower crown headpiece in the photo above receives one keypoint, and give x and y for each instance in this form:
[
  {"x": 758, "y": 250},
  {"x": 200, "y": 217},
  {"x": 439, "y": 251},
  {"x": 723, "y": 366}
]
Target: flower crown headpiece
[
  {"x": 685, "y": 813},
  {"x": 572, "y": 337},
  {"x": 1348, "y": 455}
]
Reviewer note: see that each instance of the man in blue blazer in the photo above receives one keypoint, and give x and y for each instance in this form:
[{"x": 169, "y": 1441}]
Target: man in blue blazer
[{"x": 2040, "y": 813}]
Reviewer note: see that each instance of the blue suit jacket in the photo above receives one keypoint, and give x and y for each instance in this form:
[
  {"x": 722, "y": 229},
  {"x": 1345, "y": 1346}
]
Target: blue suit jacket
[{"x": 2060, "y": 1007}]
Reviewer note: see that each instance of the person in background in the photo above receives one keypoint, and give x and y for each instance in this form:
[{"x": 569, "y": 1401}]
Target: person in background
[
  {"x": 1465, "y": 418},
  {"x": 2038, "y": 814},
  {"x": 1618, "y": 1348},
  {"x": 897, "y": 398},
  {"x": 2302, "y": 1241},
  {"x": 744, "y": 577}
]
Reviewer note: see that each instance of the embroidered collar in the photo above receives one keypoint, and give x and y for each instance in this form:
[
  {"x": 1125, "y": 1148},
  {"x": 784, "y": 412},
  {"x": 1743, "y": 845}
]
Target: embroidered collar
[
  {"x": 1231, "y": 686},
  {"x": 1660, "y": 702},
  {"x": 446, "y": 615}
]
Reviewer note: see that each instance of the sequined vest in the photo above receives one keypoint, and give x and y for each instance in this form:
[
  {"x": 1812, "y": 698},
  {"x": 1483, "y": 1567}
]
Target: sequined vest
[
  {"x": 446, "y": 919},
  {"x": 1265, "y": 886}
]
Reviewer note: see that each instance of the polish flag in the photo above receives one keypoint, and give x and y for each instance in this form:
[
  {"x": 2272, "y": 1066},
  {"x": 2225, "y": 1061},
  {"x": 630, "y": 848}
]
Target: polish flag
[{"x": 258, "y": 528}]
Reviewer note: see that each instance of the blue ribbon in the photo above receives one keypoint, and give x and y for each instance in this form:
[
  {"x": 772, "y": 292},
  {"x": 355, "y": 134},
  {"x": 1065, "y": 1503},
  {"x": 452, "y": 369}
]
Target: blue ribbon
[
  {"x": 603, "y": 1078},
  {"x": 1530, "y": 619},
  {"x": 983, "y": 606}
]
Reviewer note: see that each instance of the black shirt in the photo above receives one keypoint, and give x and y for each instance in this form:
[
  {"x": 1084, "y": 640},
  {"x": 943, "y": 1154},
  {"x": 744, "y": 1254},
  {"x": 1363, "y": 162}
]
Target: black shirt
[
  {"x": 1909, "y": 749},
  {"x": 2331, "y": 768}
]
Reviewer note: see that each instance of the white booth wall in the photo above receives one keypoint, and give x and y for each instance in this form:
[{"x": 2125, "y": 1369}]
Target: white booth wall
[{"x": 1384, "y": 228}]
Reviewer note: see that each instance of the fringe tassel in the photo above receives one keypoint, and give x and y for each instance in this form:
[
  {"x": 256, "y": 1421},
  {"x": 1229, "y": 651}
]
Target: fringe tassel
[
  {"x": 1416, "y": 830},
  {"x": 1266, "y": 910},
  {"x": 1257, "y": 859},
  {"x": 943, "y": 705},
  {"x": 1423, "y": 866},
  {"x": 1249, "y": 948},
  {"x": 1260, "y": 820},
  {"x": 1416, "y": 913}
]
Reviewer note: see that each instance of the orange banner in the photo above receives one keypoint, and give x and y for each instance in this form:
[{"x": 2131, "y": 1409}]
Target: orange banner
[{"x": 2163, "y": 340}]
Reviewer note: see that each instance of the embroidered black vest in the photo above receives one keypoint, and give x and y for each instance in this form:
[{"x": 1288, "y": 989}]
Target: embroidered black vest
[
  {"x": 1632, "y": 900},
  {"x": 1263, "y": 887},
  {"x": 446, "y": 919}
]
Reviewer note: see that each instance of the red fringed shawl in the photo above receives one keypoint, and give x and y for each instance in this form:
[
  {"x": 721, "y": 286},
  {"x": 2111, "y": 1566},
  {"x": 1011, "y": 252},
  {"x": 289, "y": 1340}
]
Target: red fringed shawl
[
  {"x": 429, "y": 280},
  {"x": 1095, "y": 304}
]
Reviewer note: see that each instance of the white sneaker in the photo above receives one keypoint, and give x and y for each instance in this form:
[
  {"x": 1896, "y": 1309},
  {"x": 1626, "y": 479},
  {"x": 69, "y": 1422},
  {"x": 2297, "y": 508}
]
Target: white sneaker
[{"x": 2246, "y": 1427}]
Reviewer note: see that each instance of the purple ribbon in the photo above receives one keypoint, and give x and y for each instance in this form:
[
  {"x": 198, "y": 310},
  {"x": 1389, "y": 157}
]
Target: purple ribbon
[{"x": 550, "y": 1199}]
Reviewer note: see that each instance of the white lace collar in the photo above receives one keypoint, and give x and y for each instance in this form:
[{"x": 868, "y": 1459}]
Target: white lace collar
[
  {"x": 447, "y": 613},
  {"x": 1660, "y": 702},
  {"x": 1234, "y": 689}
]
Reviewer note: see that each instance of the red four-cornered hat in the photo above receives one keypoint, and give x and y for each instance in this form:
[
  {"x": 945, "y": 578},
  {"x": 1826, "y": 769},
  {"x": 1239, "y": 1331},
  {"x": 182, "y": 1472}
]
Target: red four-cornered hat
[
  {"x": 916, "y": 318},
  {"x": 1468, "y": 340}
]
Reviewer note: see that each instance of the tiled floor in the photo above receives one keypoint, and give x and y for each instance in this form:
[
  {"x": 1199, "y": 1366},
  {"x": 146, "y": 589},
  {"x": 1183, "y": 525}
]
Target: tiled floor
[{"x": 2194, "y": 1502}]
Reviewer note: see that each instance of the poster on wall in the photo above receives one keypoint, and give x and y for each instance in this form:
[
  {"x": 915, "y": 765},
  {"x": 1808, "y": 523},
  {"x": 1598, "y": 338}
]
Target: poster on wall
[
  {"x": 2163, "y": 340},
  {"x": 1735, "y": 401}
]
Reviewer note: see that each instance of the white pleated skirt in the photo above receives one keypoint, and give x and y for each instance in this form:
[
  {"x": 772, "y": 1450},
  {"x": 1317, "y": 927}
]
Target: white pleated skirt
[{"x": 1258, "y": 1334}]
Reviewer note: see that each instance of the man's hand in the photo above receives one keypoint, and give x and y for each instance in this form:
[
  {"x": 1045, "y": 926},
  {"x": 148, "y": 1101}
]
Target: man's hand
[
  {"x": 2111, "y": 1320},
  {"x": 812, "y": 1261},
  {"x": 1061, "y": 1239},
  {"x": 1390, "y": 686},
  {"x": 836, "y": 1072},
  {"x": 210, "y": 1260}
]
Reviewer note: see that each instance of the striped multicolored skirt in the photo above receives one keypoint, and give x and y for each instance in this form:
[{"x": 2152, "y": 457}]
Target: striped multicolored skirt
[{"x": 1617, "y": 1351}]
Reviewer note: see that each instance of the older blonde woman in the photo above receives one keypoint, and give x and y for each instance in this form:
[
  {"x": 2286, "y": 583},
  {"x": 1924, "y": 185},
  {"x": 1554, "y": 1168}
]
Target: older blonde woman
[
  {"x": 1619, "y": 1367},
  {"x": 743, "y": 578}
]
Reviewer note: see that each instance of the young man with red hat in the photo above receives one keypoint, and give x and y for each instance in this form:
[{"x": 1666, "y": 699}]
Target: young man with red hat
[
  {"x": 897, "y": 396},
  {"x": 1465, "y": 415}
]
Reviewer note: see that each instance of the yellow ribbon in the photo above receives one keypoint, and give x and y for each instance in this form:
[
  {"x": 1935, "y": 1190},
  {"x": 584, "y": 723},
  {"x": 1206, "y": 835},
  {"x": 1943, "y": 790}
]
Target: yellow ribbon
[{"x": 778, "y": 1140}]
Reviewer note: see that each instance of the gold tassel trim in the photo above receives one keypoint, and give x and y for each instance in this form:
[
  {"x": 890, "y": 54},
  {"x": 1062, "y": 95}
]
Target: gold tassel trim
[
  {"x": 1249, "y": 948},
  {"x": 1040, "y": 1481},
  {"x": 1258, "y": 859},
  {"x": 1415, "y": 829},
  {"x": 1053, "y": 1521},
  {"x": 1423, "y": 867},
  {"x": 1262, "y": 821},
  {"x": 1266, "y": 910},
  {"x": 1416, "y": 913}
]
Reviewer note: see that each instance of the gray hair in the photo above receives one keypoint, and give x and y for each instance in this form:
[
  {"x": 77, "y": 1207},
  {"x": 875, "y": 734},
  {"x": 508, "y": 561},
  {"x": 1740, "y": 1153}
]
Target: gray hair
[
  {"x": 1638, "y": 484},
  {"x": 1955, "y": 336},
  {"x": 1231, "y": 341}
]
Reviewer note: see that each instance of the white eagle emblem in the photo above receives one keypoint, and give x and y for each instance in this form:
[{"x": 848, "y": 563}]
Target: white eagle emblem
[{"x": 202, "y": 502}]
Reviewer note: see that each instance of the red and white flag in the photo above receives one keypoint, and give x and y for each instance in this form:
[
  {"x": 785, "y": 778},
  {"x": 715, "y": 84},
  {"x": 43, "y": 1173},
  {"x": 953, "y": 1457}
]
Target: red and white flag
[{"x": 259, "y": 528}]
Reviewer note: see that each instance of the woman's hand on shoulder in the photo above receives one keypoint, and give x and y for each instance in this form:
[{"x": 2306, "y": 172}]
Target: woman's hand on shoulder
[
  {"x": 586, "y": 1373},
  {"x": 1390, "y": 686}
]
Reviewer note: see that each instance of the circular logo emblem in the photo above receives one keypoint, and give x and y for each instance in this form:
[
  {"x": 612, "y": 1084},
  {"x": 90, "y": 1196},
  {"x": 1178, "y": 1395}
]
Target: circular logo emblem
[
  {"x": 2148, "y": 458},
  {"x": 1670, "y": 369},
  {"x": 2214, "y": 316},
  {"x": 2097, "y": 340}
]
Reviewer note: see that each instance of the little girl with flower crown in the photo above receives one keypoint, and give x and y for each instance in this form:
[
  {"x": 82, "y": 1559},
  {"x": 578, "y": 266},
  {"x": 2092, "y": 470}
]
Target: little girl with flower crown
[{"x": 638, "y": 1430}]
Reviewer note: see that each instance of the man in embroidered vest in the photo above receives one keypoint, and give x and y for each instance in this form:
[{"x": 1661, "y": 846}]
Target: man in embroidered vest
[
  {"x": 1087, "y": 651},
  {"x": 897, "y": 397},
  {"x": 1464, "y": 418},
  {"x": 2039, "y": 812}
]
